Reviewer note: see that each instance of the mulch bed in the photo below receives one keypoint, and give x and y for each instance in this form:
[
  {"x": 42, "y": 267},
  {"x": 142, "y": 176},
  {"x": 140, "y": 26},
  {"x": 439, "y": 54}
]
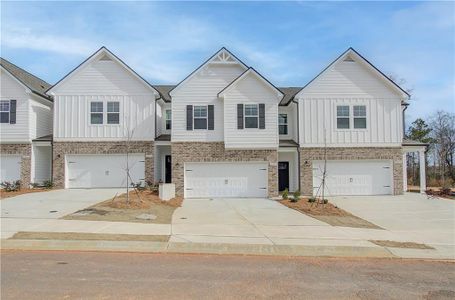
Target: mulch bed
[
  {"x": 4, "y": 194},
  {"x": 394, "y": 244},
  {"x": 329, "y": 214}
]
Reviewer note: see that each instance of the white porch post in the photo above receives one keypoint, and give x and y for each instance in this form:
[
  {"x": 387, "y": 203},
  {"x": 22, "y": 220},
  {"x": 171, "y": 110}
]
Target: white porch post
[
  {"x": 405, "y": 173},
  {"x": 423, "y": 182}
]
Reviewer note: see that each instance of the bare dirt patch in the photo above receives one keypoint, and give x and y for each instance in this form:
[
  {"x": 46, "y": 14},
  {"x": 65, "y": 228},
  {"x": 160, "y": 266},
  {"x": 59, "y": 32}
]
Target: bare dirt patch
[
  {"x": 329, "y": 214},
  {"x": 4, "y": 194},
  {"x": 394, "y": 244},
  {"x": 27, "y": 235},
  {"x": 141, "y": 205}
]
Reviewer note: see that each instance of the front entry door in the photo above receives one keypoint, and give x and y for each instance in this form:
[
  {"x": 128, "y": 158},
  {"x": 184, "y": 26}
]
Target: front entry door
[
  {"x": 283, "y": 175},
  {"x": 168, "y": 169}
]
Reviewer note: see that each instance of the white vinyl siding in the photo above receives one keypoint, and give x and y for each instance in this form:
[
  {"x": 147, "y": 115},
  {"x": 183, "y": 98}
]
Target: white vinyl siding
[
  {"x": 291, "y": 112},
  {"x": 40, "y": 114}
]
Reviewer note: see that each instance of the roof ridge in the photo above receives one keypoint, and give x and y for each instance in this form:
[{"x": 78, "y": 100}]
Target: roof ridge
[{"x": 23, "y": 70}]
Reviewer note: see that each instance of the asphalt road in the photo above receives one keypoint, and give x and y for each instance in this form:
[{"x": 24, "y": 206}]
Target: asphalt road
[{"x": 82, "y": 275}]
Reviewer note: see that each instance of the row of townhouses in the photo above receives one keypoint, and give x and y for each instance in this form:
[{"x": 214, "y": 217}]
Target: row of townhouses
[{"x": 223, "y": 131}]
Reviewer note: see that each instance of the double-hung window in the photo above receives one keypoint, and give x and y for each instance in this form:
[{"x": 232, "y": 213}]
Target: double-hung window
[
  {"x": 96, "y": 112},
  {"x": 360, "y": 116},
  {"x": 343, "y": 117},
  {"x": 283, "y": 123},
  {"x": 200, "y": 117},
  {"x": 4, "y": 111},
  {"x": 168, "y": 119},
  {"x": 251, "y": 116},
  {"x": 113, "y": 112}
]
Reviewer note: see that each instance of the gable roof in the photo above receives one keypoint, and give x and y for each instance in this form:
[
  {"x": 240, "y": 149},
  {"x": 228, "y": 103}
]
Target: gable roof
[
  {"x": 219, "y": 52},
  {"x": 351, "y": 51},
  {"x": 289, "y": 93},
  {"x": 164, "y": 91},
  {"x": 30, "y": 81},
  {"x": 103, "y": 51},
  {"x": 243, "y": 75}
]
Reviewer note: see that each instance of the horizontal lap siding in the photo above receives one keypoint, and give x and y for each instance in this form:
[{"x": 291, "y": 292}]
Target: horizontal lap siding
[{"x": 40, "y": 119}]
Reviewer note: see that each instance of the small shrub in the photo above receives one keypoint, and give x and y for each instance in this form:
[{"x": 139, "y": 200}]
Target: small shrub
[
  {"x": 312, "y": 199},
  {"x": 285, "y": 194},
  {"x": 325, "y": 201},
  {"x": 48, "y": 184},
  {"x": 138, "y": 186},
  {"x": 11, "y": 186},
  {"x": 296, "y": 196}
]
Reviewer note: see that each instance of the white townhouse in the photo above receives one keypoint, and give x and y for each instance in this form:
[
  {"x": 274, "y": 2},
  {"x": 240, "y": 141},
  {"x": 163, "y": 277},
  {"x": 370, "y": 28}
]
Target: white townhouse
[{"x": 25, "y": 126}]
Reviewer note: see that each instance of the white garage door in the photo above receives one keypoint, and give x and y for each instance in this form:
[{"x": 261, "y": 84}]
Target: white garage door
[
  {"x": 203, "y": 180},
  {"x": 10, "y": 166},
  {"x": 359, "y": 177},
  {"x": 103, "y": 171}
]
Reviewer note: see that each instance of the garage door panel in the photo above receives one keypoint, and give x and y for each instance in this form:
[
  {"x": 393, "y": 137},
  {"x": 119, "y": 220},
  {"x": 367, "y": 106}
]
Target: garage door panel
[
  {"x": 204, "y": 180},
  {"x": 10, "y": 167},
  {"x": 104, "y": 171},
  {"x": 360, "y": 177}
]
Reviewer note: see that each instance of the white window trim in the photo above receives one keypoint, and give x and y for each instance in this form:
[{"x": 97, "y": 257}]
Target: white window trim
[
  {"x": 107, "y": 113},
  {"x": 358, "y": 117},
  {"x": 9, "y": 111},
  {"x": 90, "y": 113},
  {"x": 166, "y": 119},
  {"x": 245, "y": 116},
  {"x": 351, "y": 117},
  {"x": 104, "y": 112},
  {"x": 206, "y": 117},
  {"x": 348, "y": 117},
  {"x": 287, "y": 124}
]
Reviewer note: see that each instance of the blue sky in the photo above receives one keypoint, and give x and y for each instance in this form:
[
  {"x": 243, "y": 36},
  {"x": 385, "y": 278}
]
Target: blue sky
[{"x": 288, "y": 42}]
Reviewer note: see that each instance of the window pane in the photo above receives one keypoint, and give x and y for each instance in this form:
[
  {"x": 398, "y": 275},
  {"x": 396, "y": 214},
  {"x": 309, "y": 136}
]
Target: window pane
[
  {"x": 4, "y": 105},
  {"x": 113, "y": 107},
  {"x": 283, "y": 129},
  {"x": 200, "y": 111},
  {"x": 251, "y": 110},
  {"x": 4, "y": 117},
  {"x": 283, "y": 119},
  {"x": 360, "y": 123},
  {"x": 96, "y": 106},
  {"x": 343, "y": 111},
  {"x": 360, "y": 111},
  {"x": 168, "y": 124},
  {"x": 251, "y": 122},
  {"x": 96, "y": 118},
  {"x": 200, "y": 123},
  {"x": 113, "y": 118},
  {"x": 168, "y": 114},
  {"x": 343, "y": 123}
]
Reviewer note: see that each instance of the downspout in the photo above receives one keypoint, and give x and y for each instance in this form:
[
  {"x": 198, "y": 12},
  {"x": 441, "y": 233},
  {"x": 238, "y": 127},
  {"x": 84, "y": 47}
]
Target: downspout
[
  {"x": 404, "y": 117},
  {"x": 298, "y": 141}
]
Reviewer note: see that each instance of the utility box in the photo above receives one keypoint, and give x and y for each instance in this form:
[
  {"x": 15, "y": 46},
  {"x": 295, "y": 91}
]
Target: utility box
[{"x": 166, "y": 191}]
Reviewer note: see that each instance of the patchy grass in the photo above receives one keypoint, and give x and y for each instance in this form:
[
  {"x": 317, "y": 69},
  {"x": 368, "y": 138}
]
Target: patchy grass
[
  {"x": 27, "y": 235},
  {"x": 119, "y": 210},
  {"x": 329, "y": 214},
  {"x": 394, "y": 244},
  {"x": 4, "y": 194}
]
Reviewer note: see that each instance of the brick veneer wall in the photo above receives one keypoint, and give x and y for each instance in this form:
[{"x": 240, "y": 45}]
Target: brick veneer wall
[
  {"x": 61, "y": 149},
  {"x": 307, "y": 155},
  {"x": 25, "y": 150},
  {"x": 215, "y": 152}
]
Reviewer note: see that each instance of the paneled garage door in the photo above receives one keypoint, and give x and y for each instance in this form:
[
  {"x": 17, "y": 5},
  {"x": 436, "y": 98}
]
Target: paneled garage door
[
  {"x": 10, "y": 166},
  {"x": 103, "y": 171},
  {"x": 354, "y": 177},
  {"x": 210, "y": 180}
]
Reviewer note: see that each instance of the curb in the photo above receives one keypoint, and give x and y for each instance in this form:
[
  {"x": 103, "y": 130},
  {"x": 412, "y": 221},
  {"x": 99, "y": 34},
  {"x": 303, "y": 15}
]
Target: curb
[{"x": 197, "y": 248}]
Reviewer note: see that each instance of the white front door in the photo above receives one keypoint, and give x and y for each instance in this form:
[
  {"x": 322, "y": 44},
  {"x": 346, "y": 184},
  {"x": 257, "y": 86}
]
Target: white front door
[
  {"x": 10, "y": 166},
  {"x": 353, "y": 177},
  {"x": 104, "y": 170},
  {"x": 242, "y": 179}
]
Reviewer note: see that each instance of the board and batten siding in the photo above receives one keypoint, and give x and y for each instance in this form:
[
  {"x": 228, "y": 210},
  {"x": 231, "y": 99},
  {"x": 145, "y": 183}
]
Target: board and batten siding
[
  {"x": 250, "y": 91},
  {"x": 11, "y": 89},
  {"x": 202, "y": 89},
  {"x": 350, "y": 83},
  {"x": 103, "y": 80}
]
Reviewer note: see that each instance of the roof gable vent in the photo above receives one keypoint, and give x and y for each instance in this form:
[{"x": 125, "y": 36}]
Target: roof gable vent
[
  {"x": 348, "y": 59},
  {"x": 105, "y": 58}
]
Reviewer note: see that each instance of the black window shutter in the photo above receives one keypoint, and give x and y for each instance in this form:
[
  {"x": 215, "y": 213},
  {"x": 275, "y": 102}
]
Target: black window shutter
[
  {"x": 239, "y": 116},
  {"x": 211, "y": 116},
  {"x": 12, "y": 111},
  {"x": 261, "y": 116},
  {"x": 189, "y": 117}
]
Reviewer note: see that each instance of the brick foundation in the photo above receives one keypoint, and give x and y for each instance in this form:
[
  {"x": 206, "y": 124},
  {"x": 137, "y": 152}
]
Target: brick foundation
[
  {"x": 61, "y": 149},
  {"x": 307, "y": 155},
  {"x": 215, "y": 152},
  {"x": 25, "y": 150}
]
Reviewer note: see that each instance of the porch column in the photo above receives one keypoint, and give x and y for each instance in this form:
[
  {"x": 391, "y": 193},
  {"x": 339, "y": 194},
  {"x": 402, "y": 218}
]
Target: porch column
[
  {"x": 423, "y": 182},
  {"x": 405, "y": 173}
]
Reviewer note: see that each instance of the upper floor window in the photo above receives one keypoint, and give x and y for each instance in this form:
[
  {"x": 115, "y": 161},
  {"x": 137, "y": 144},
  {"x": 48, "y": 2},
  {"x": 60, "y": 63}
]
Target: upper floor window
[
  {"x": 283, "y": 123},
  {"x": 200, "y": 117},
  {"x": 4, "y": 111},
  {"x": 113, "y": 112},
  {"x": 168, "y": 119},
  {"x": 96, "y": 112},
  {"x": 360, "y": 116},
  {"x": 251, "y": 116},
  {"x": 343, "y": 116}
]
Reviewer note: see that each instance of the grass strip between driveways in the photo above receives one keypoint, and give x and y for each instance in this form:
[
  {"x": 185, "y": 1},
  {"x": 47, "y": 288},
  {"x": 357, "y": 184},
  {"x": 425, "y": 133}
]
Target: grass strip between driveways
[
  {"x": 394, "y": 244},
  {"x": 28, "y": 235}
]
